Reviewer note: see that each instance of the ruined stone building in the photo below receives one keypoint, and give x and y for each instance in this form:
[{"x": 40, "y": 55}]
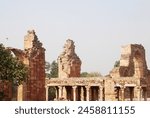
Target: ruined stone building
[
  {"x": 33, "y": 55},
  {"x": 128, "y": 81}
]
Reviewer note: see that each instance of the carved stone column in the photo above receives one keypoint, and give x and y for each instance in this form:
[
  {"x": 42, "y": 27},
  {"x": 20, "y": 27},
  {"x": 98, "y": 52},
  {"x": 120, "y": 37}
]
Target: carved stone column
[
  {"x": 100, "y": 93},
  {"x": 74, "y": 93},
  {"x": 87, "y": 92},
  {"x": 138, "y": 88},
  {"x": 82, "y": 94},
  {"x": 19, "y": 92},
  {"x": 64, "y": 92},
  {"x": 46, "y": 87},
  {"x": 60, "y": 91},
  {"x": 122, "y": 93}
]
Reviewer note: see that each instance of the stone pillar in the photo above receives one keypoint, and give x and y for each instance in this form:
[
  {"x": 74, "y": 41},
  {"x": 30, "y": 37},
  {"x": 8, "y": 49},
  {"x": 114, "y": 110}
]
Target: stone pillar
[
  {"x": 122, "y": 94},
  {"x": 46, "y": 92},
  {"x": 20, "y": 93},
  {"x": 87, "y": 93},
  {"x": 82, "y": 94},
  {"x": 139, "y": 93},
  {"x": 100, "y": 93},
  {"x": 119, "y": 94},
  {"x": 64, "y": 92},
  {"x": 60, "y": 91},
  {"x": 74, "y": 92}
]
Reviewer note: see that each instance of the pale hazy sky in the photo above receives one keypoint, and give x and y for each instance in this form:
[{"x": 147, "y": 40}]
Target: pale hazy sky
[{"x": 98, "y": 27}]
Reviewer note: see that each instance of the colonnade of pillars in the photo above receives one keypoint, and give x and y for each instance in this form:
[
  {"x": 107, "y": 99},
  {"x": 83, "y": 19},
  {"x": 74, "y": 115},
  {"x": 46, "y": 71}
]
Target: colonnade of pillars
[
  {"x": 96, "y": 93},
  {"x": 135, "y": 93},
  {"x": 78, "y": 93}
]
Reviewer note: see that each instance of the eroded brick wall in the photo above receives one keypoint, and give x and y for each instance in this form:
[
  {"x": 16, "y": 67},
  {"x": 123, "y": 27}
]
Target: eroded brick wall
[{"x": 6, "y": 89}]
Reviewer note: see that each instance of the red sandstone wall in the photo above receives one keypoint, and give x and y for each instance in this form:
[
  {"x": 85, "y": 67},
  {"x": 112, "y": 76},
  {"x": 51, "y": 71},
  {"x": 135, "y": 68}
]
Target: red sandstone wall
[{"x": 6, "y": 87}]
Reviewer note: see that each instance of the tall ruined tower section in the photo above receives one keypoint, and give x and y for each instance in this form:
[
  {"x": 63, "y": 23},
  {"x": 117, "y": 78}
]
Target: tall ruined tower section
[
  {"x": 28, "y": 39},
  {"x": 69, "y": 63},
  {"x": 35, "y": 59},
  {"x": 133, "y": 57},
  {"x": 132, "y": 62}
]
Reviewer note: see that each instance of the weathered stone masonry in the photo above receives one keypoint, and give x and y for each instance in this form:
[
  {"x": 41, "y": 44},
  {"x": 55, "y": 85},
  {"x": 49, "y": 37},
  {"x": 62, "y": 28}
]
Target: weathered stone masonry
[
  {"x": 129, "y": 81},
  {"x": 68, "y": 61},
  {"x": 33, "y": 56}
]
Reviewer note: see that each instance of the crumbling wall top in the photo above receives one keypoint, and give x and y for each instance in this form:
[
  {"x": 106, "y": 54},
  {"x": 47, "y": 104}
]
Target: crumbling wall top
[
  {"x": 68, "y": 61},
  {"x": 29, "y": 38}
]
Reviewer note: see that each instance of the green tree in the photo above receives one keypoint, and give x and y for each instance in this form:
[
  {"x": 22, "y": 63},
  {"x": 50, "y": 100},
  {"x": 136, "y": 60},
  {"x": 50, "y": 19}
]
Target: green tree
[
  {"x": 11, "y": 69},
  {"x": 84, "y": 74},
  {"x": 91, "y": 74},
  {"x": 51, "y": 72},
  {"x": 117, "y": 64},
  {"x": 51, "y": 69},
  {"x": 54, "y": 69},
  {"x": 94, "y": 74}
]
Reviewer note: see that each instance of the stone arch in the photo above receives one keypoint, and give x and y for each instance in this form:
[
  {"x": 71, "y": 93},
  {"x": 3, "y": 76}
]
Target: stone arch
[
  {"x": 18, "y": 53},
  {"x": 19, "y": 92}
]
